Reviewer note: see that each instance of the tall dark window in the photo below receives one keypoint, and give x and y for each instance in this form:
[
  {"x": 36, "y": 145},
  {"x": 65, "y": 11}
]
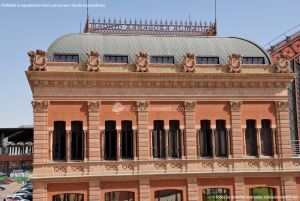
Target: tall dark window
[
  {"x": 170, "y": 195},
  {"x": 158, "y": 139},
  {"x": 77, "y": 140},
  {"x": 262, "y": 194},
  {"x": 221, "y": 138},
  {"x": 207, "y": 60},
  {"x": 205, "y": 139},
  {"x": 110, "y": 140},
  {"x": 66, "y": 58},
  {"x": 127, "y": 139},
  {"x": 215, "y": 194},
  {"x": 250, "y": 138},
  {"x": 162, "y": 59},
  {"x": 253, "y": 60},
  {"x": 116, "y": 59},
  {"x": 174, "y": 139},
  {"x": 266, "y": 138},
  {"x": 119, "y": 196},
  {"x": 68, "y": 197},
  {"x": 59, "y": 140}
]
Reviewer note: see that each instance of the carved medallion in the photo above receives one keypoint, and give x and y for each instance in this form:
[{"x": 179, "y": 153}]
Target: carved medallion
[
  {"x": 40, "y": 106},
  {"x": 189, "y": 61},
  {"x": 93, "y": 62},
  {"x": 142, "y": 105},
  {"x": 189, "y": 105},
  {"x": 283, "y": 64},
  {"x": 38, "y": 60},
  {"x": 235, "y": 105},
  {"x": 142, "y": 62},
  {"x": 282, "y": 106},
  {"x": 94, "y": 106},
  {"x": 235, "y": 63}
]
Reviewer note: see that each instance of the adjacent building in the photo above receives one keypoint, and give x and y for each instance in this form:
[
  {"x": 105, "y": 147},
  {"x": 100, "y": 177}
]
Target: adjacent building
[{"x": 162, "y": 111}]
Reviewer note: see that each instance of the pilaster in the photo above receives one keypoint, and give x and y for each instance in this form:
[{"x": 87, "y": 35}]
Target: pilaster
[
  {"x": 94, "y": 189},
  {"x": 239, "y": 188},
  {"x": 289, "y": 188},
  {"x": 190, "y": 132},
  {"x": 40, "y": 137},
  {"x": 93, "y": 131},
  {"x": 192, "y": 189},
  {"x": 143, "y": 133},
  {"x": 282, "y": 108},
  {"x": 236, "y": 131},
  {"x": 39, "y": 191},
  {"x": 144, "y": 190}
]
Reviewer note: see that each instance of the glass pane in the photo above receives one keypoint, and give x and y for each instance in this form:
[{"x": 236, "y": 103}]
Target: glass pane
[
  {"x": 262, "y": 194},
  {"x": 168, "y": 195}
]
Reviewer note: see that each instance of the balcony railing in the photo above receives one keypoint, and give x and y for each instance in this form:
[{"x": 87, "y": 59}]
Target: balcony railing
[{"x": 295, "y": 148}]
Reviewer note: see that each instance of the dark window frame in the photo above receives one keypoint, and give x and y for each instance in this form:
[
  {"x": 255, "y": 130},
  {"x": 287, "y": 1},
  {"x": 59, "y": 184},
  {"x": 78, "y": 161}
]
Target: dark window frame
[
  {"x": 77, "y": 140},
  {"x": 110, "y": 196},
  {"x": 253, "y": 60},
  {"x": 158, "y": 139},
  {"x": 66, "y": 58},
  {"x": 174, "y": 140},
  {"x": 210, "y": 194},
  {"x": 59, "y": 143},
  {"x": 111, "y": 58},
  {"x": 271, "y": 193},
  {"x": 205, "y": 139},
  {"x": 162, "y": 59},
  {"x": 178, "y": 196},
  {"x": 207, "y": 60},
  {"x": 78, "y": 197},
  {"x": 221, "y": 139},
  {"x": 110, "y": 144},
  {"x": 251, "y": 138},
  {"x": 126, "y": 139},
  {"x": 266, "y": 138}
]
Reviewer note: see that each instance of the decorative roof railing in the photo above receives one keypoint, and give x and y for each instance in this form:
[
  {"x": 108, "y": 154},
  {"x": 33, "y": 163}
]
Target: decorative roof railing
[{"x": 139, "y": 27}]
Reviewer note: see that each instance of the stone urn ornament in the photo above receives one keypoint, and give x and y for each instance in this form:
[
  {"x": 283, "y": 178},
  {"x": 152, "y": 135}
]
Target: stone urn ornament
[
  {"x": 189, "y": 61},
  {"x": 93, "y": 62},
  {"x": 38, "y": 60},
  {"x": 234, "y": 63},
  {"x": 142, "y": 62}
]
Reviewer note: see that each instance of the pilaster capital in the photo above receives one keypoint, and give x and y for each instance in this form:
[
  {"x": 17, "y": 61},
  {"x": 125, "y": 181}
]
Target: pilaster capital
[
  {"x": 40, "y": 106},
  {"x": 282, "y": 106},
  {"x": 235, "y": 105},
  {"x": 142, "y": 105},
  {"x": 189, "y": 105},
  {"x": 93, "y": 106}
]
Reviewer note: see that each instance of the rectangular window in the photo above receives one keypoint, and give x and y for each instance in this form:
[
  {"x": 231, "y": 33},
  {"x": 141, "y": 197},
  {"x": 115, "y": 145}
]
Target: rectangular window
[
  {"x": 253, "y": 60},
  {"x": 175, "y": 139},
  {"x": 205, "y": 139},
  {"x": 162, "y": 59},
  {"x": 221, "y": 138},
  {"x": 251, "y": 136},
  {"x": 59, "y": 140},
  {"x": 110, "y": 140},
  {"x": 266, "y": 138},
  {"x": 158, "y": 139},
  {"x": 207, "y": 60},
  {"x": 77, "y": 140},
  {"x": 116, "y": 59},
  {"x": 127, "y": 139},
  {"x": 66, "y": 58}
]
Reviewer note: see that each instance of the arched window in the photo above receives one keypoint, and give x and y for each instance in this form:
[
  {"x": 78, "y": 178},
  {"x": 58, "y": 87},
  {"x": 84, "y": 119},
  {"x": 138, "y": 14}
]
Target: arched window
[
  {"x": 168, "y": 195},
  {"x": 68, "y": 197},
  {"x": 215, "y": 194},
  {"x": 119, "y": 196},
  {"x": 262, "y": 194}
]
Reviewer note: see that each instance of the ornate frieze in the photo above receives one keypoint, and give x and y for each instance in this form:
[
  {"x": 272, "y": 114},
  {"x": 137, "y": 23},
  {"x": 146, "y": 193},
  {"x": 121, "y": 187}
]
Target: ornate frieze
[
  {"x": 142, "y": 105},
  {"x": 235, "y": 63},
  {"x": 189, "y": 61},
  {"x": 282, "y": 106},
  {"x": 235, "y": 105},
  {"x": 94, "y": 106},
  {"x": 189, "y": 105},
  {"x": 93, "y": 62},
  {"x": 40, "y": 106},
  {"x": 38, "y": 60},
  {"x": 142, "y": 62},
  {"x": 283, "y": 64}
]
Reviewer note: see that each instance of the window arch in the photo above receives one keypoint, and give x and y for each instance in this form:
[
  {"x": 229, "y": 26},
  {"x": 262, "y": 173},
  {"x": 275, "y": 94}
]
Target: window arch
[
  {"x": 168, "y": 195},
  {"x": 216, "y": 194},
  {"x": 262, "y": 194},
  {"x": 119, "y": 196},
  {"x": 68, "y": 197}
]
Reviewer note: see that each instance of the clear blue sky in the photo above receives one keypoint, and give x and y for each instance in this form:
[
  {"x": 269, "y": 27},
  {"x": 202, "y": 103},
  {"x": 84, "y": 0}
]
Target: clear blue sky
[{"x": 24, "y": 29}]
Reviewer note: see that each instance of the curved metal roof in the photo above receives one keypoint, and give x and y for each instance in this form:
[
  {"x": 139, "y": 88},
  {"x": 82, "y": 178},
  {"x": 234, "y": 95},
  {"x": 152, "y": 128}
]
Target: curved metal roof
[{"x": 81, "y": 43}]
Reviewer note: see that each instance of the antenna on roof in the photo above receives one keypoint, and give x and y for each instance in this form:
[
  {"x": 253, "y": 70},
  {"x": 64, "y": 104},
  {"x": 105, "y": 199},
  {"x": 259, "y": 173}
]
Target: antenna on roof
[
  {"x": 216, "y": 12},
  {"x": 87, "y": 9}
]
